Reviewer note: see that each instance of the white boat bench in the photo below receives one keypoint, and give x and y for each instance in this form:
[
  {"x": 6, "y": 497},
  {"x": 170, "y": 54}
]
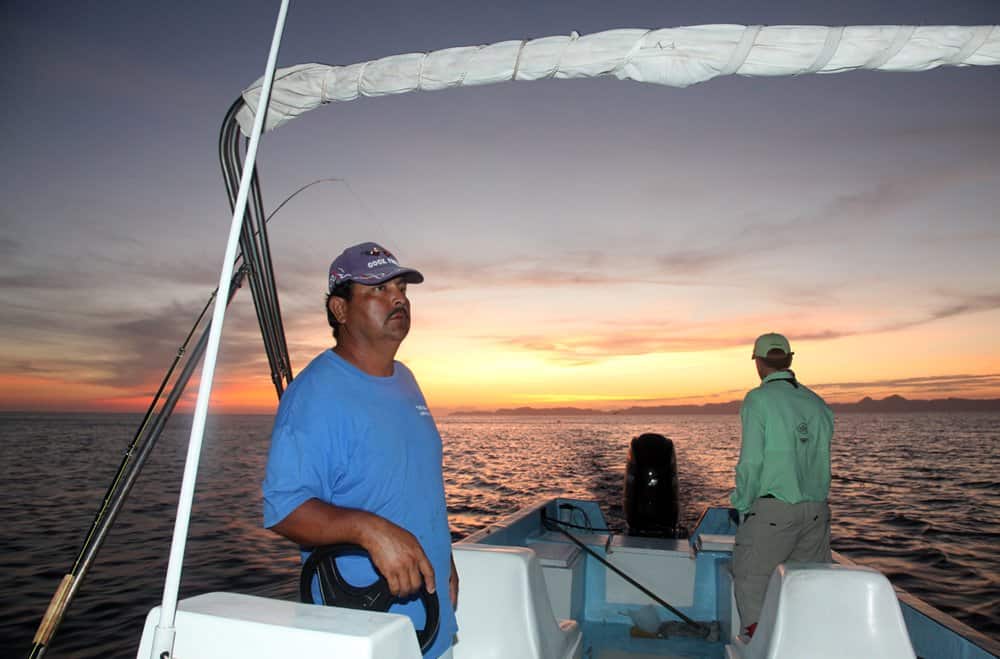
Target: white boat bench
[
  {"x": 504, "y": 609},
  {"x": 827, "y": 611},
  {"x": 217, "y": 625}
]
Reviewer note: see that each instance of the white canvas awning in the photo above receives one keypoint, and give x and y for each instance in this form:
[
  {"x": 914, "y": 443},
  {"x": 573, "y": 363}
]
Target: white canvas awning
[{"x": 677, "y": 57}]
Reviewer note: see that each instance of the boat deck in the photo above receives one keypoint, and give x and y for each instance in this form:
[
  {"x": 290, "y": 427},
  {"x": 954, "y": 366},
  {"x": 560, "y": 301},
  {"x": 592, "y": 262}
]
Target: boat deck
[
  {"x": 615, "y": 641},
  {"x": 528, "y": 592}
]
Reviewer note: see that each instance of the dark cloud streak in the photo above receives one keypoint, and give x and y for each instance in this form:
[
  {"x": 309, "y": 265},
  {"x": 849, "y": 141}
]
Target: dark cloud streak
[
  {"x": 930, "y": 383},
  {"x": 663, "y": 338},
  {"x": 690, "y": 264}
]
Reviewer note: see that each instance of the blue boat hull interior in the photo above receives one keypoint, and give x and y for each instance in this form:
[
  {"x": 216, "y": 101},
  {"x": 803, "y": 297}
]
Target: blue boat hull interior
[
  {"x": 551, "y": 581},
  {"x": 692, "y": 574}
]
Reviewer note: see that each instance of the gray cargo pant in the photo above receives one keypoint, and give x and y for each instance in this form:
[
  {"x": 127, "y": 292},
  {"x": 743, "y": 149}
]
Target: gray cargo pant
[{"x": 776, "y": 532}]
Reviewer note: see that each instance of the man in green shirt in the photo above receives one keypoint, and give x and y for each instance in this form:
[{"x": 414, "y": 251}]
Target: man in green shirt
[{"x": 782, "y": 477}]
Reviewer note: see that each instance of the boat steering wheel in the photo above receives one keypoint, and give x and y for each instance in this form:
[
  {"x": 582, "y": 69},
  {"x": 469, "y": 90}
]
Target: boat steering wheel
[{"x": 335, "y": 590}]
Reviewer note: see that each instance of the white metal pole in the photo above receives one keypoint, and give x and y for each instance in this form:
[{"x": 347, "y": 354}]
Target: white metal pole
[{"x": 163, "y": 639}]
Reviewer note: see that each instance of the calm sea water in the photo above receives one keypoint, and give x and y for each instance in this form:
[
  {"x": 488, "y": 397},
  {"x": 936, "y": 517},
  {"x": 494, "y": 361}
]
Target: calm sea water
[{"x": 916, "y": 496}]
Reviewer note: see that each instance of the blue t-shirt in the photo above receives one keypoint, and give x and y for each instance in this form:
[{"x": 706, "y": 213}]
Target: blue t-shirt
[{"x": 360, "y": 441}]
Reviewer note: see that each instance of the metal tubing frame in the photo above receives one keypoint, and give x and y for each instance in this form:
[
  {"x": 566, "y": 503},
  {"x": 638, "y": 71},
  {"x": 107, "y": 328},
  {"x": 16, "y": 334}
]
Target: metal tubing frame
[{"x": 256, "y": 249}]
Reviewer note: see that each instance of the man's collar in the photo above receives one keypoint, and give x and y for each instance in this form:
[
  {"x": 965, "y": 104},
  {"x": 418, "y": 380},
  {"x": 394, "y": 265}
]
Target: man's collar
[{"x": 779, "y": 375}]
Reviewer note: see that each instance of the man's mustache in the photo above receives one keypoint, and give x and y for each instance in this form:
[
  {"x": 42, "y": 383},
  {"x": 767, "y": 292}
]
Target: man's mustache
[{"x": 398, "y": 310}]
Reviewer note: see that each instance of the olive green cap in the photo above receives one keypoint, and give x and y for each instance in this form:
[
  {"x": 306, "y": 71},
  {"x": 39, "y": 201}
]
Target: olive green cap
[{"x": 768, "y": 342}]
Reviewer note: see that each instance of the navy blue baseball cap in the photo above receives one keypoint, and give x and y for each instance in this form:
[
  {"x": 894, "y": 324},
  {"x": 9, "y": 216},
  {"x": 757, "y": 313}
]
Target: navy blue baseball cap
[{"x": 369, "y": 264}]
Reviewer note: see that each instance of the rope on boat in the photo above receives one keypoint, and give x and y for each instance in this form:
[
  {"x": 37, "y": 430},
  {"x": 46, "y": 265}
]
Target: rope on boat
[{"x": 703, "y": 630}]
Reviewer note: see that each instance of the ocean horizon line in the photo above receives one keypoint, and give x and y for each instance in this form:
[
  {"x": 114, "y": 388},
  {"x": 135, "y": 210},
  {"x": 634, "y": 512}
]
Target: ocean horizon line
[{"x": 890, "y": 404}]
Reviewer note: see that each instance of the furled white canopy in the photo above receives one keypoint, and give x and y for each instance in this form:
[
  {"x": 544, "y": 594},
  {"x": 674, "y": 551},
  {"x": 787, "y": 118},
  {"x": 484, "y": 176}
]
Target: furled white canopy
[{"x": 677, "y": 57}]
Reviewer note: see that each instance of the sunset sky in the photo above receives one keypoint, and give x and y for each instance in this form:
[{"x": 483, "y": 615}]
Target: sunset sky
[{"x": 588, "y": 243}]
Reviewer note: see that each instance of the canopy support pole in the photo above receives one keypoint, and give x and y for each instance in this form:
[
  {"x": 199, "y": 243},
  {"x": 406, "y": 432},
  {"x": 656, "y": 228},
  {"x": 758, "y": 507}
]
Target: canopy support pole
[{"x": 163, "y": 638}]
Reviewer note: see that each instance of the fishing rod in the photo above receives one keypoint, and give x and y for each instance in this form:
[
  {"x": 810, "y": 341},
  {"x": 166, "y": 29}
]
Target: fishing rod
[
  {"x": 140, "y": 448},
  {"x": 128, "y": 472},
  {"x": 854, "y": 479},
  {"x": 143, "y": 442}
]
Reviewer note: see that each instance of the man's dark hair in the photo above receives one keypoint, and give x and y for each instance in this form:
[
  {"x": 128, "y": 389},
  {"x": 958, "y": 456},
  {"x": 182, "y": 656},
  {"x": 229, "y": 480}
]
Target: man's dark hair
[
  {"x": 341, "y": 290},
  {"x": 778, "y": 359}
]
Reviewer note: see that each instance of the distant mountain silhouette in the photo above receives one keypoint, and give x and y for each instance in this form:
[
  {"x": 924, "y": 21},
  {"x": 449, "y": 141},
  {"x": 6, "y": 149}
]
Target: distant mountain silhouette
[
  {"x": 889, "y": 404},
  {"x": 899, "y": 404}
]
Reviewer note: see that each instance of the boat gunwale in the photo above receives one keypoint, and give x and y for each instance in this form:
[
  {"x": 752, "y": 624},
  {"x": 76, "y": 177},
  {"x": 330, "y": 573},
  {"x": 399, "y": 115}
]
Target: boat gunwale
[
  {"x": 934, "y": 614},
  {"x": 952, "y": 624}
]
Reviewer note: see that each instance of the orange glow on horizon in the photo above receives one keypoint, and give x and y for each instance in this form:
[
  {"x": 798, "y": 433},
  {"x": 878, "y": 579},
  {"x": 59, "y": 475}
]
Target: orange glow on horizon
[
  {"x": 19, "y": 393},
  {"x": 459, "y": 374},
  {"x": 43, "y": 396}
]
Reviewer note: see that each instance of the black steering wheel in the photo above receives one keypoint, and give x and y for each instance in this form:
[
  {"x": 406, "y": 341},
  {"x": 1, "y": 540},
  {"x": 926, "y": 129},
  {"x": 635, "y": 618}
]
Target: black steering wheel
[{"x": 335, "y": 590}]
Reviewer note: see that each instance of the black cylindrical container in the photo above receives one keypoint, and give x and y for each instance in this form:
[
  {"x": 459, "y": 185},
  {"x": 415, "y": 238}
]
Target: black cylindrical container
[{"x": 652, "y": 504}]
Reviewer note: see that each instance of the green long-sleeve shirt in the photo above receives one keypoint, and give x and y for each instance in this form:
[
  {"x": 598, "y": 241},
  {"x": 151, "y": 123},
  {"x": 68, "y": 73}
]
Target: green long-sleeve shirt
[{"x": 785, "y": 450}]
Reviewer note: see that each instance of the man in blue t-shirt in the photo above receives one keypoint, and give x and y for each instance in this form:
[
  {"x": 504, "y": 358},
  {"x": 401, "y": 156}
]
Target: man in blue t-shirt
[{"x": 355, "y": 455}]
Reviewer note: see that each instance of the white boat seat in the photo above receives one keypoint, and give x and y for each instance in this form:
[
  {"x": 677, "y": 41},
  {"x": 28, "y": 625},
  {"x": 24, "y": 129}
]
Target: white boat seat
[
  {"x": 217, "y": 625},
  {"x": 825, "y": 611},
  {"x": 504, "y": 609}
]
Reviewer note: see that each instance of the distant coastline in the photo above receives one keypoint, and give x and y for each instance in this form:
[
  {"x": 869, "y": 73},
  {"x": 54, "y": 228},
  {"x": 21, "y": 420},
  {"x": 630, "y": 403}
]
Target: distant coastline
[
  {"x": 894, "y": 404},
  {"x": 889, "y": 404}
]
